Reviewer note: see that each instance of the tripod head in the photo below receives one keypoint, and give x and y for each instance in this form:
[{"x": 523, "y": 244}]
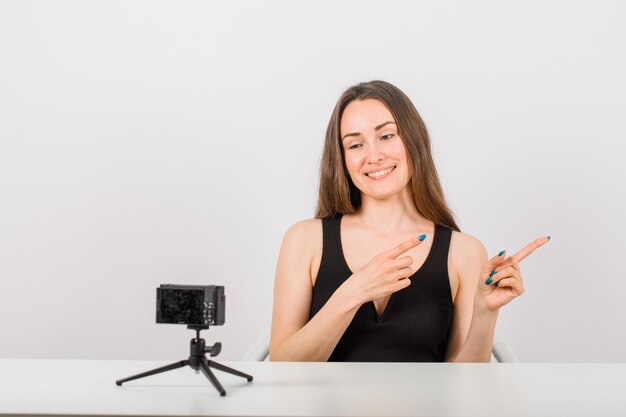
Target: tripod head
[
  {"x": 197, "y": 328},
  {"x": 198, "y": 346}
]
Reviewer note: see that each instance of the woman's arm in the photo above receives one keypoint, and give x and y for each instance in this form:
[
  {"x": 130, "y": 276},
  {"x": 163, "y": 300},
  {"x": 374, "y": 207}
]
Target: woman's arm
[
  {"x": 471, "y": 334},
  {"x": 484, "y": 287},
  {"x": 293, "y": 336}
]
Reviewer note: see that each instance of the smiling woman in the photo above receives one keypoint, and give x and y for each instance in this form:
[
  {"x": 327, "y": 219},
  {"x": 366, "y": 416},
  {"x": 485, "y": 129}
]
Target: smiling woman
[
  {"x": 375, "y": 154},
  {"x": 383, "y": 273}
]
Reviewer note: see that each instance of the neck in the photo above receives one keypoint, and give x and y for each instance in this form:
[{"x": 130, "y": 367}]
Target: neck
[{"x": 395, "y": 213}]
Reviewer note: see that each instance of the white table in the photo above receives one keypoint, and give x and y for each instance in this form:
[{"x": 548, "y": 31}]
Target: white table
[{"x": 87, "y": 387}]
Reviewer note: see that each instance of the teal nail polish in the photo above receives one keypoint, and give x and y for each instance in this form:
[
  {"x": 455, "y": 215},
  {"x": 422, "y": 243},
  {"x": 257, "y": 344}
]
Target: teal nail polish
[
  {"x": 502, "y": 253},
  {"x": 489, "y": 280},
  {"x": 549, "y": 237},
  {"x": 422, "y": 237},
  {"x": 492, "y": 273}
]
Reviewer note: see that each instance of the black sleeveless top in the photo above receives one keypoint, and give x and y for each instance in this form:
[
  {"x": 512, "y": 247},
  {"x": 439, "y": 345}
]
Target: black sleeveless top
[{"x": 415, "y": 323}]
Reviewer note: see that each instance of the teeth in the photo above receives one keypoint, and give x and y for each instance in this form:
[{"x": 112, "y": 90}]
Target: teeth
[{"x": 380, "y": 173}]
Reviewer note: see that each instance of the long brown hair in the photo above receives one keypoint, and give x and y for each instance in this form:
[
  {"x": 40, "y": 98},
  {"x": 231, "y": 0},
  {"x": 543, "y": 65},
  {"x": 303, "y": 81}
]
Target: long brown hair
[{"x": 337, "y": 192}]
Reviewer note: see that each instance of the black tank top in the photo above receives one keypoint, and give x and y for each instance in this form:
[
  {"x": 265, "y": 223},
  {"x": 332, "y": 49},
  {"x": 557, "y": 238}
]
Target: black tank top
[{"x": 415, "y": 323}]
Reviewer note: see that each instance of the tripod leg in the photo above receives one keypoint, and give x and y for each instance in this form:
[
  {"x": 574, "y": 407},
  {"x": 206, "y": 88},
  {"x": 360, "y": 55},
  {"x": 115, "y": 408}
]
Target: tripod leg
[
  {"x": 204, "y": 367},
  {"x": 165, "y": 368},
  {"x": 226, "y": 369}
]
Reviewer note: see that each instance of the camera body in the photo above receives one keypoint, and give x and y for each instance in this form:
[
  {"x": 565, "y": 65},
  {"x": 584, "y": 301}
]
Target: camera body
[{"x": 193, "y": 305}]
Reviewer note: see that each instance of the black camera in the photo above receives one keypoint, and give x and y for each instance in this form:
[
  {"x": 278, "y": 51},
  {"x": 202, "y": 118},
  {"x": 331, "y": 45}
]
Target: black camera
[{"x": 193, "y": 305}]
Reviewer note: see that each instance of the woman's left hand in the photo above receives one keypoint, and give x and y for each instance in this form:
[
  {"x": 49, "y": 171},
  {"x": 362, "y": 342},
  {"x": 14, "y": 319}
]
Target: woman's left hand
[{"x": 501, "y": 279}]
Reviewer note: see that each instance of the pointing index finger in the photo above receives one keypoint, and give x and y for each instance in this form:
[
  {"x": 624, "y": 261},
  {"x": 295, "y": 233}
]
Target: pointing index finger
[
  {"x": 530, "y": 248},
  {"x": 405, "y": 246}
]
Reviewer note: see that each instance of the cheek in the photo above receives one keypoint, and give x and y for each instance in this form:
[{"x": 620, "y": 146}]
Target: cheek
[
  {"x": 400, "y": 154},
  {"x": 353, "y": 163},
  {"x": 399, "y": 151}
]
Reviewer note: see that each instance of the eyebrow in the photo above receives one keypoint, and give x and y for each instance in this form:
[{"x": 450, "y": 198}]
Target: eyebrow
[{"x": 359, "y": 133}]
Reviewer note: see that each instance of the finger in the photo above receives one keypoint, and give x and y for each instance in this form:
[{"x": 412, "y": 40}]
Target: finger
[
  {"x": 516, "y": 286},
  {"x": 403, "y": 262},
  {"x": 508, "y": 272},
  {"x": 515, "y": 264},
  {"x": 531, "y": 247},
  {"x": 510, "y": 261},
  {"x": 401, "y": 284},
  {"x": 404, "y": 246},
  {"x": 492, "y": 263},
  {"x": 401, "y": 274}
]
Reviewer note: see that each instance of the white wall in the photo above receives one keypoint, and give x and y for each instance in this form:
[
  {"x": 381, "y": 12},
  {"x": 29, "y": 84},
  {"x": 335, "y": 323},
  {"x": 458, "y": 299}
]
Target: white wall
[{"x": 147, "y": 142}]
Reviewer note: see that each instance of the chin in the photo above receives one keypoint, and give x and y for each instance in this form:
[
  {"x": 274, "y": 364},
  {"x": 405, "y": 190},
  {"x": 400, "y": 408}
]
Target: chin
[
  {"x": 384, "y": 191},
  {"x": 382, "y": 194}
]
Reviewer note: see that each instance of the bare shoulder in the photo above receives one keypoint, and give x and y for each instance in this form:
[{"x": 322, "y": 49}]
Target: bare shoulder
[
  {"x": 303, "y": 243},
  {"x": 465, "y": 247},
  {"x": 305, "y": 233},
  {"x": 467, "y": 256},
  {"x": 301, "y": 250},
  {"x": 304, "y": 240},
  {"x": 307, "y": 225}
]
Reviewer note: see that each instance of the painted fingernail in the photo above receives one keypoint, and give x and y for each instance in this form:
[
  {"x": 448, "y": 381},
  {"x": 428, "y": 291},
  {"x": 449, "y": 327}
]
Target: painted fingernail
[
  {"x": 497, "y": 283},
  {"x": 502, "y": 253},
  {"x": 549, "y": 237},
  {"x": 489, "y": 281},
  {"x": 421, "y": 237},
  {"x": 492, "y": 273}
]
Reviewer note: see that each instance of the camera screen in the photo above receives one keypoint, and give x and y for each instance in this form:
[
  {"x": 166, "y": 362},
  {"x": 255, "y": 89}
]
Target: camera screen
[{"x": 182, "y": 307}]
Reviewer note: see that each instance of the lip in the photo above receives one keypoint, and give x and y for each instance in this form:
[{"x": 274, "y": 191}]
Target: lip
[{"x": 390, "y": 168}]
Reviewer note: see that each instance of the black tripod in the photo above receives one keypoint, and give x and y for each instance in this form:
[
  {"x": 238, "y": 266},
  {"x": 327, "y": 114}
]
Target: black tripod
[{"x": 198, "y": 361}]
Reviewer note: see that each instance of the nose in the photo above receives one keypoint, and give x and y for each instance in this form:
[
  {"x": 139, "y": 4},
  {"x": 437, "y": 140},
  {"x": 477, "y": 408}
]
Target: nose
[{"x": 374, "y": 153}]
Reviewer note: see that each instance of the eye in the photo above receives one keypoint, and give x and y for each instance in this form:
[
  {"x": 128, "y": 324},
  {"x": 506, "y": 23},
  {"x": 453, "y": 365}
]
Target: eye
[
  {"x": 355, "y": 146},
  {"x": 387, "y": 137}
]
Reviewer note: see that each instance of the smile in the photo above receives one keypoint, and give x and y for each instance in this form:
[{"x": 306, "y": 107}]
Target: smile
[{"x": 380, "y": 174}]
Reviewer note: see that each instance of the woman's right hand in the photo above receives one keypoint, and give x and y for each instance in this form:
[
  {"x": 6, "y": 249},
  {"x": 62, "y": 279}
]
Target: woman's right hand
[{"x": 385, "y": 274}]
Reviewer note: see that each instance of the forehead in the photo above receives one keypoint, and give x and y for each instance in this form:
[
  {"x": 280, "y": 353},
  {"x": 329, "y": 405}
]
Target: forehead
[{"x": 361, "y": 115}]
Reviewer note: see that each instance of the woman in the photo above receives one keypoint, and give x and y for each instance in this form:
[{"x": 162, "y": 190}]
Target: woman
[{"x": 383, "y": 272}]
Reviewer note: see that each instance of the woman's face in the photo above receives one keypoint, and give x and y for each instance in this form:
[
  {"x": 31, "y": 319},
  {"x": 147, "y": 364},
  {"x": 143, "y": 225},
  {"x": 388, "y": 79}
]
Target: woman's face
[{"x": 374, "y": 153}]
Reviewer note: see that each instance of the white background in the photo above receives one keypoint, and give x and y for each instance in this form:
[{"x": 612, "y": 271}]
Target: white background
[{"x": 150, "y": 142}]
